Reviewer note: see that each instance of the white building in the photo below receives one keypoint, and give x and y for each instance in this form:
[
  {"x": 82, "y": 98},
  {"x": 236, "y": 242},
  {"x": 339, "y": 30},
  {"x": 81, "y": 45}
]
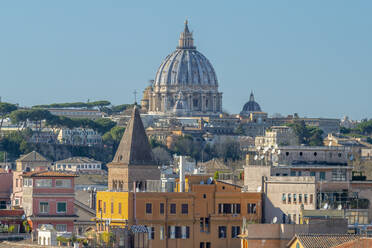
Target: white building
[
  {"x": 47, "y": 235},
  {"x": 78, "y": 164},
  {"x": 79, "y": 136},
  {"x": 277, "y": 136}
]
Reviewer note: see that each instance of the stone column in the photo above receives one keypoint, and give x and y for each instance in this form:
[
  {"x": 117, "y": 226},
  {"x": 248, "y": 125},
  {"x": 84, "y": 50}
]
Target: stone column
[
  {"x": 202, "y": 102},
  {"x": 214, "y": 102}
]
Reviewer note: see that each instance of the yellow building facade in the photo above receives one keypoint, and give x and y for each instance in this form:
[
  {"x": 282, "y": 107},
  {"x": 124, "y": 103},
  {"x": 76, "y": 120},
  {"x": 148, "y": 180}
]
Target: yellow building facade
[{"x": 208, "y": 215}]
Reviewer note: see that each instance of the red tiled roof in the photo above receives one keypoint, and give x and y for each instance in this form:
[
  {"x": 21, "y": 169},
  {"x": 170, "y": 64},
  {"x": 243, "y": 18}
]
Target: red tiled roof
[
  {"x": 48, "y": 174},
  {"x": 322, "y": 240},
  {"x": 11, "y": 212}
]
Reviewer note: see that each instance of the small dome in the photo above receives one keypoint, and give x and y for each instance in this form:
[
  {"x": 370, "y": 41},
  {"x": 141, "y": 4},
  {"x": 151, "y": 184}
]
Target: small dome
[
  {"x": 251, "y": 106},
  {"x": 186, "y": 66}
]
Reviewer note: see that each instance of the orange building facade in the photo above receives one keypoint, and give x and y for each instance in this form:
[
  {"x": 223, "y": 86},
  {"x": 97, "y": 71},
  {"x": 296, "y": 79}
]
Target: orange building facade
[{"x": 208, "y": 215}]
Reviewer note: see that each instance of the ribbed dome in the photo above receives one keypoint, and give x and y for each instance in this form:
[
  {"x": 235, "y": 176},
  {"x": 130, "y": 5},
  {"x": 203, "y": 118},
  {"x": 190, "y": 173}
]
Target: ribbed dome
[
  {"x": 251, "y": 106},
  {"x": 186, "y": 66}
]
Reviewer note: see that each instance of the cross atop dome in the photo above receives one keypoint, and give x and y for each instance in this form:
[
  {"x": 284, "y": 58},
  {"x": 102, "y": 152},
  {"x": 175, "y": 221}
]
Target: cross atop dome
[{"x": 186, "y": 40}]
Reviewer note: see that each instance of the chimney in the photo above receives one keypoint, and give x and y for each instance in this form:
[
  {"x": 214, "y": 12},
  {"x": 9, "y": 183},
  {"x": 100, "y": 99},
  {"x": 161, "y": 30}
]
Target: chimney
[{"x": 182, "y": 174}]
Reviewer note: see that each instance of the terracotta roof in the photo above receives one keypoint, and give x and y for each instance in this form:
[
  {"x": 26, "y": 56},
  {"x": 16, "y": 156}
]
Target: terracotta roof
[
  {"x": 32, "y": 157},
  {"x": 48, "y": 174},
  {"x": 134, "y": 147},
  {"x": 360, "y": 242},
  {"x": 214, "y": 165},
  {"x": 77, "y": 160},
  {"x": 11, "y": 212},
  {"x": 322, "y": 240}
]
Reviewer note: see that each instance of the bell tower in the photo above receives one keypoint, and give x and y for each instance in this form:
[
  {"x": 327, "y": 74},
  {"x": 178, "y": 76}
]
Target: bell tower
[{"x": 133, "y": 161}]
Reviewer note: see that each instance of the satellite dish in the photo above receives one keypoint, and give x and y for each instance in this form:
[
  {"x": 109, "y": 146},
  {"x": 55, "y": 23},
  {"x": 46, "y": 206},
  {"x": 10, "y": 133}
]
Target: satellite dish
[
  {"x": 262, "y": 157},
  {"x": 278, "y": 151},
  {"x": 255, "y": 157},
  {"x": 325, "y": 206},
  {"x": 259, "y": 189},
  {"x": 275, "y": 219},
  {"x": 339, "y": 207}
]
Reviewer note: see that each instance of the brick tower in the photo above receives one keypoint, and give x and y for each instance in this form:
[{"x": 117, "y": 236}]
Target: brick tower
[{"x": 133, "y": 161}]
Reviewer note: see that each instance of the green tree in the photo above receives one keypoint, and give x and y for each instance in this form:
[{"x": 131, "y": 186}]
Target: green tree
[
  {"x": 228, "y": 150},
  {"x": 104, "y": 125},
  {"x": 5, "y": 110},
  {"x": 315, "y": 136},
  {"x": 216, "y": 175},
  {"x": 113, "y": 137}
]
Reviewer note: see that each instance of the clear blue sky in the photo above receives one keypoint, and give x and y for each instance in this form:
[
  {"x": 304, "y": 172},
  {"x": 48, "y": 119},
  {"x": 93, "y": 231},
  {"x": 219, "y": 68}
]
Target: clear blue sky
[{"x": 309, "y": 57}]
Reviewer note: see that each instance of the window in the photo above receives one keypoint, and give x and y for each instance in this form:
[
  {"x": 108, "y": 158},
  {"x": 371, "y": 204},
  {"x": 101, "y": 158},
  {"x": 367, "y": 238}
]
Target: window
[
  {"x": 206, "y": 224},
  {"x": 293, "y": 173},
  {"x": 312, "y": 173},
  {"x": 311, "y": 199},
  {"x": 187, "y": 228},
  {"x": 294, "y": 198},
  {"x": 112, "y": 207},
  {"x": 151, "y": 231},
  {"x": 299, "y": 198},
  {"x": 44, "y": 207},
  {"x": 235, "y": 231},
  {"x": 222, "y": 232},
  {"x": 228, "y": 208},
  {"x": 202, "y": 245},
  {"x": 61, "y": 227},
  {"x": 339, "y": 175},
  {"x": 69, "y": 166},
  {"x": 16, "y": 202},
  {"x": 204, "y": 196},
  {"x": 322, "y": 175},
  {"x": 251, "y": 208},
  {"x": 184, "y": 208},
  {"x": 148, "y": 208},
  {"x": 284, "y": 198},
  {"x": 43, "y": 183},
  {"x": 161, "y": 232},
  {"x": 63, "y": 183},
  {"x": 299, "y": 173},
  {"x": 104, "y": 207},
  {"x": 305, "y": 198},
  {"x": 61, "y": 207},
  {"x": 161, "y": 208},
  {"x": 178, "y": 232},
  {"x": 289, "y": 198},
  {"x": 99, "y": 205},
  {"x": 173, "y": 208},
  {"x": 119, "y": 208}
]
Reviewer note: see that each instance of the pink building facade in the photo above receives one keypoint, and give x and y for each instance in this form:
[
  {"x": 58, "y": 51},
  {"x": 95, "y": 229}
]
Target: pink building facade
[
  {"x": 48, "y": 198},
  {"x": 6, "y": 184}
]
